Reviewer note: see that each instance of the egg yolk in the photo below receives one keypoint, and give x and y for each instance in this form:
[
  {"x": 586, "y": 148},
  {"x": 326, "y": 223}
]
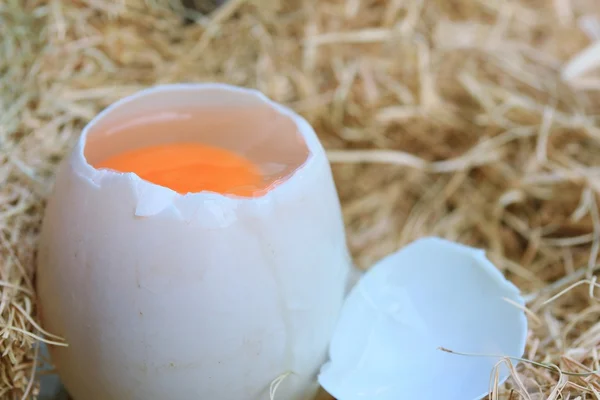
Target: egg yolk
[{"x": 190, "y": 168}]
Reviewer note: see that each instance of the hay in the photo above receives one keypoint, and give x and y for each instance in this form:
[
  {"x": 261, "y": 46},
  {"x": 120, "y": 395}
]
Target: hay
[{"x": 470, "y": 119}]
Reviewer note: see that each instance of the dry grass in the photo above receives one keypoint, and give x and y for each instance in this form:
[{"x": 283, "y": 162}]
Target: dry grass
[{"x": 474, "y": 120}]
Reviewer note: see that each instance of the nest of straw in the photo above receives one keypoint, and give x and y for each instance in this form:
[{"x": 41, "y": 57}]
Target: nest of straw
[{"x": 467, "y": 119}]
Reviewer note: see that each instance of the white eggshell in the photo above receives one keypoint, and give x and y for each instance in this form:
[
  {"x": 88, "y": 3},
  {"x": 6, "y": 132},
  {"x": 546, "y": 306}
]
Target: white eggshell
[
  {"x": 198, "y": 296},
  {"x": 432, "y": 293}
]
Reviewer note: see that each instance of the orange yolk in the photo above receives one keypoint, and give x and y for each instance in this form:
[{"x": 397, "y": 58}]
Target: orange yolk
[{"x": 191, "y": 167}]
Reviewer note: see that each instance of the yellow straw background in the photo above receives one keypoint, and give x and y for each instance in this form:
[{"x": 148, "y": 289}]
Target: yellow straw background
[{"x": 474, "y": 120}]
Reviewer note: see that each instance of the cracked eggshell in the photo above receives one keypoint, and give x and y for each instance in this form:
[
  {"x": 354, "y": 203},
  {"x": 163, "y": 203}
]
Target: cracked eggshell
[
  {"x": 432, "y": 293},
  {"x": 168, "y": 296}
]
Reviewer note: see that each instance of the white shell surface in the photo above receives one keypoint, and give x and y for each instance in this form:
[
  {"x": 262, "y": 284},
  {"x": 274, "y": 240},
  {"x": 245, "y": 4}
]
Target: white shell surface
[
  {"x": 432, "y": 293},
  {"x": 198, "y": 296}
]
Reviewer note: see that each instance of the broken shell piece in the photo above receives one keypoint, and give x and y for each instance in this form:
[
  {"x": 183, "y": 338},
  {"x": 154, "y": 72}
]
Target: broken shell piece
[{"x": 431, "y": 294}]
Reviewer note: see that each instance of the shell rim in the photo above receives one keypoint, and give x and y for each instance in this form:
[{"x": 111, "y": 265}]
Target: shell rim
[{"x": 85, "y": 170}]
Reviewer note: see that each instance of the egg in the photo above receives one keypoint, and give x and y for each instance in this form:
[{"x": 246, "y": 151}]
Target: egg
[
  {"x": 400, "y": 319},
  {"x": 162, "y": 294}
]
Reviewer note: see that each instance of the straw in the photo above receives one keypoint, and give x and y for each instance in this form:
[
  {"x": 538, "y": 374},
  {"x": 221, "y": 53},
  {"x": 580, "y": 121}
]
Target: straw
[{"x": 474, "y": 120}]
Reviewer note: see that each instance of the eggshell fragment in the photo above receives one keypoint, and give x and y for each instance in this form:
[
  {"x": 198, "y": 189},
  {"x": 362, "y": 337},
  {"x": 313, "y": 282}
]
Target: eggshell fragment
[{"x": 432, "y": 293}]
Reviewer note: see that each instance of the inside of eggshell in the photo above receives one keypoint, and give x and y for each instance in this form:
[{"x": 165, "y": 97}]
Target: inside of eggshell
[{"x": 254, "y": 130}]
